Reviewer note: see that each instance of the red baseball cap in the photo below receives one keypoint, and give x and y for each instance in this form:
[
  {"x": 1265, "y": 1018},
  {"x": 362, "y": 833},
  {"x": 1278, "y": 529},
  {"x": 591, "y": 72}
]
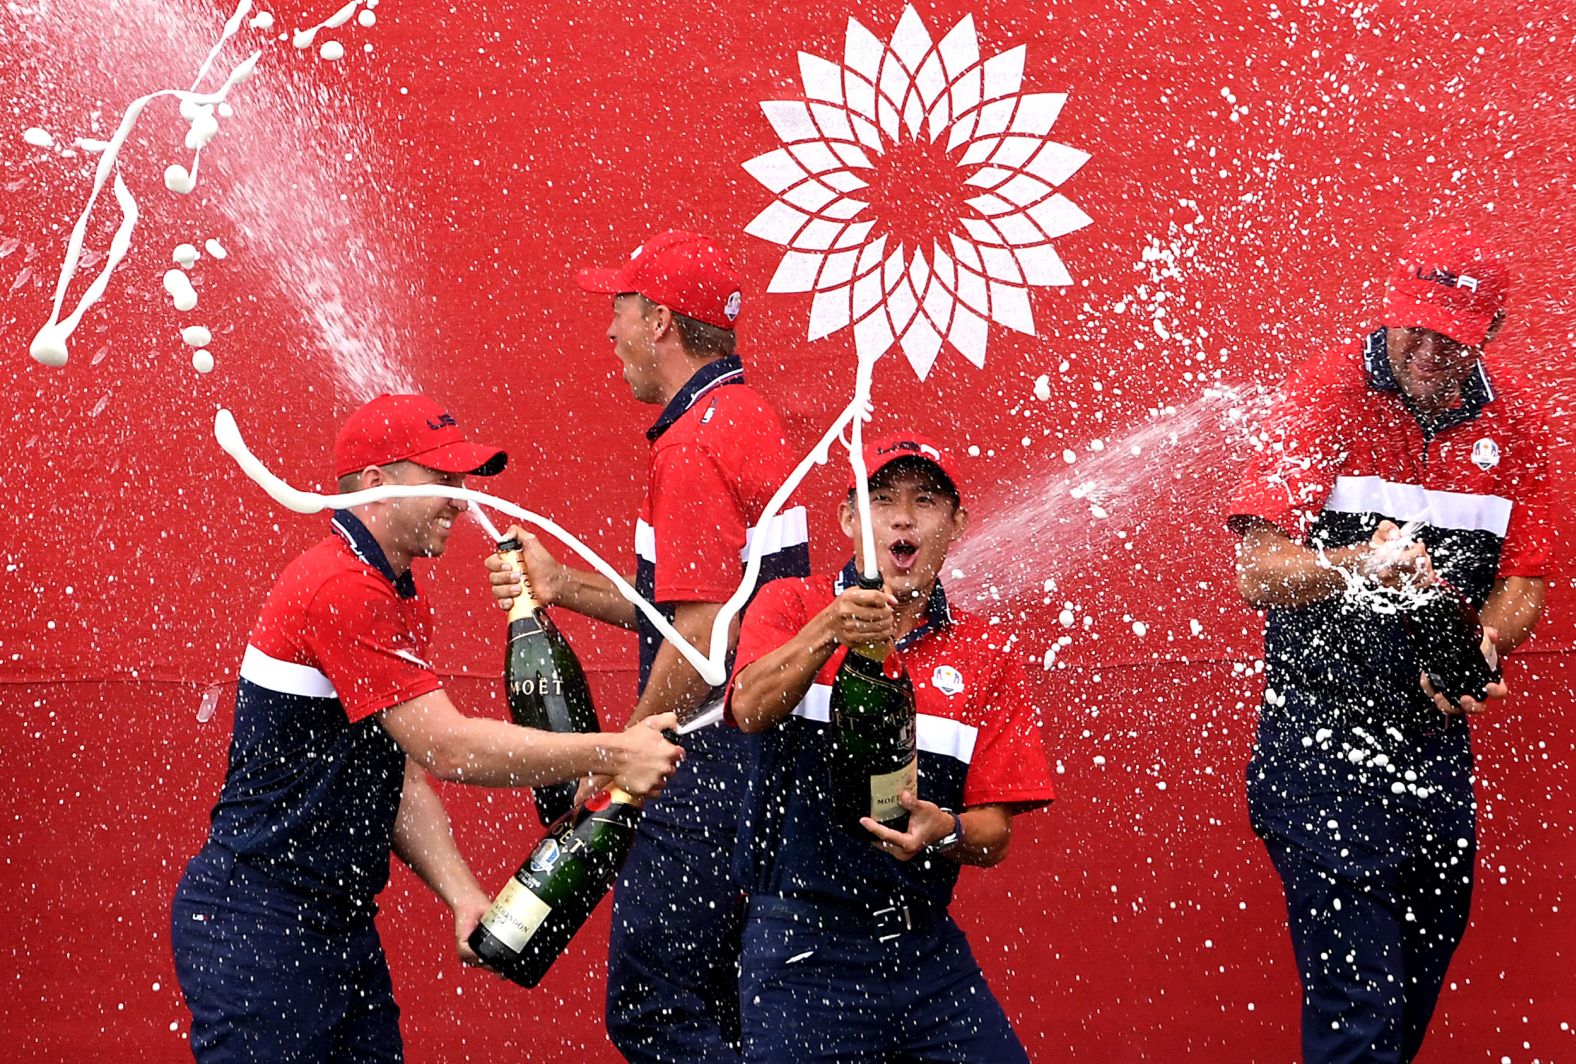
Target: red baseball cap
[
  {"x": 399, "y": 428},
  {"x": 889, "y": 449},
  {"x": 1450, "y": 282},
  {"x": 685, "y": 272}
]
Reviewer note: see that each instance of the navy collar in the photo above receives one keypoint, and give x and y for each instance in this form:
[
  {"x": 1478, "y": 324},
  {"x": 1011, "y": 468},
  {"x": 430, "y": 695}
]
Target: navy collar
[
  {"x": 364, "y": 546},
  {"x": 715, "y": 374},
  {"x": 938, "y": 614},
  {"x": 1477, "y": 391}
]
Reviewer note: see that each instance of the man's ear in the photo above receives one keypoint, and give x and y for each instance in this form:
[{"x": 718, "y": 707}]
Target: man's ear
[
  {"x": 661, "y": 320},
  {"x": 1493, "y": 326},
  {"x": 960, "y": 522}
]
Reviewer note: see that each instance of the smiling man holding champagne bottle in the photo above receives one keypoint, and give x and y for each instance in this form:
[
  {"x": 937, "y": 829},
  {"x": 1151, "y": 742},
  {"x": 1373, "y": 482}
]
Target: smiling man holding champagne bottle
[
  {"x": 849, "y": 952},
  {"x": 1361, "y": 781},
  {"x": 339, "y": 718}
]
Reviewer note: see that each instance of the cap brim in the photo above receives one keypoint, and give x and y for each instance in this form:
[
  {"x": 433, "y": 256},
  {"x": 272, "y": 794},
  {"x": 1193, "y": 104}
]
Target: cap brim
[
  {"x": 472, "y": 459},
  {"x": 1462, "y": 326},
  {"x": 603, "y": 279},
  {"x": 946, "y": 478}
]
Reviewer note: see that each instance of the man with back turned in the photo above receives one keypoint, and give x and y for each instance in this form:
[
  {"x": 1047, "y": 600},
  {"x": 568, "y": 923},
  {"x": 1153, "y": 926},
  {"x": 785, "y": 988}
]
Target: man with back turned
[
  {"x": 718, "y": 453},
  {"x": 1361, "y": 781},
  {"x": 339, "y": 717}
]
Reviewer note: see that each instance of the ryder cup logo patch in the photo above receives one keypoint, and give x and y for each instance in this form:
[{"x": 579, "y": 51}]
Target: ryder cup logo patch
[
  {"x": 731, "y": 308},
  {"x": 546, "y": 856},
  {"x": 947, "y": 680},
  {"x": 1485, "y": 454}
]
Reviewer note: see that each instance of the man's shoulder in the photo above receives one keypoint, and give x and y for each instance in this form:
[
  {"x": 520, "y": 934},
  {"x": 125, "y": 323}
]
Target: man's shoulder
[
  {"x": 728, "y": 418},
  {"x": 328, "y": 572}
]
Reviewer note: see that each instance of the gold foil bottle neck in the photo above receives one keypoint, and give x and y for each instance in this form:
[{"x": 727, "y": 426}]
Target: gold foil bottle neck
[{"x": 526, "y": 602}]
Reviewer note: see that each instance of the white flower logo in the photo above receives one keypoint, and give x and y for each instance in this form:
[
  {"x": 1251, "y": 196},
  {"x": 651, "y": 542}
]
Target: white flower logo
[{"x": 982, "y": 198}]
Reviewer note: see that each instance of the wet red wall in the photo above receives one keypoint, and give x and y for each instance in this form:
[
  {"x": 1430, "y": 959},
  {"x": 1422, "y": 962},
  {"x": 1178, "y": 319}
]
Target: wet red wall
[{"x": 1268, "y": 158}]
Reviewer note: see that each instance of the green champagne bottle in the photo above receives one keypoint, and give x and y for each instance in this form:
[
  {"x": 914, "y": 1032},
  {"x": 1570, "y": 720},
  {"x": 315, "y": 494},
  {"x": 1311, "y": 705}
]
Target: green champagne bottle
[
  {"x": 549, "y": 898},
  {"x": 545, "y": 684},
  {"x": 874, "y": 757}
]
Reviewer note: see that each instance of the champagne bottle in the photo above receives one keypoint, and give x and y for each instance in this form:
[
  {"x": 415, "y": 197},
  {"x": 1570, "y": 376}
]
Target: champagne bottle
[
  {"x": 874, "y": 758},
  {"x": 544, "y": 903},
  {"x": 1447, "y": 637},
  {"x": 545, "y": 684}
]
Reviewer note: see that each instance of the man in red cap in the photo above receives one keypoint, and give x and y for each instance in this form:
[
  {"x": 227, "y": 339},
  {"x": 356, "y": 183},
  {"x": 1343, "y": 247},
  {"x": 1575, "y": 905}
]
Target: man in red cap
[
  {"x": 339, "y": 717},
  {"x": 1361, "y": 781},
  {"x": 849, "y": 952},
  {"x": 718, "y": 453}
]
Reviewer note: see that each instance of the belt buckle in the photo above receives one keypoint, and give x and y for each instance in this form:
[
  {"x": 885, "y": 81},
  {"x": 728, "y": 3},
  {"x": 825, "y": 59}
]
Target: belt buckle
[{"x": 898, "y": 916}]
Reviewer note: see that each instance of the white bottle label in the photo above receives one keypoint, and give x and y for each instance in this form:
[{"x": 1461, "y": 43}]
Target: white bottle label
[
  {"x": 515, "y": 915},
  {"x": 886, "y": 790}
]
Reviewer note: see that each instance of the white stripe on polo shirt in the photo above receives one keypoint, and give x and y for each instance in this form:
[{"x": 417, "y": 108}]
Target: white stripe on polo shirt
[
  {"x": 645, "y": 542},
  {"x": 933, "y": 734},
  {"x": 791, "y": 528},
  {"x": 285, "y": 677},
  {"x": 1459, "y": 510}
]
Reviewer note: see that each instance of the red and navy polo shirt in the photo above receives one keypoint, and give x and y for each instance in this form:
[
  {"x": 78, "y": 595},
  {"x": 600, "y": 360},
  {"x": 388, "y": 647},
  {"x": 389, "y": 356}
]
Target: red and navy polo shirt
[
  {"x": 718, "y": 454},
  {"x": 979, "y": 738},
  {"x": 1343, "y": 450},
  {"x": 314, "y": 783}
]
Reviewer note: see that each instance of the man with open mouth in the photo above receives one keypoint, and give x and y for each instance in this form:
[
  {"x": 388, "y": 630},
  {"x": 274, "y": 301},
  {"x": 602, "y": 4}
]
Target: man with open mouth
[{"x": 849, "y": 952}]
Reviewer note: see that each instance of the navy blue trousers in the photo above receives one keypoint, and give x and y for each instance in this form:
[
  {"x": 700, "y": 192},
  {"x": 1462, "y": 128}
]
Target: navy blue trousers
[
  {"x": 832, "y": 994},
  {"x": 1378, "y": 886},
  {"x": 267, "y": 979},
  {"x": 673, "y": 952}
]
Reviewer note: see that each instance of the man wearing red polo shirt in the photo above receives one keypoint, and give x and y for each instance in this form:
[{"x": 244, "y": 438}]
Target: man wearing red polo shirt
[
  {"x": 339, "y": 717},
  {"x": 1361, "y": 781},
  {"x": 849, "y": 953},
  {"x": 718, "y": 453}
]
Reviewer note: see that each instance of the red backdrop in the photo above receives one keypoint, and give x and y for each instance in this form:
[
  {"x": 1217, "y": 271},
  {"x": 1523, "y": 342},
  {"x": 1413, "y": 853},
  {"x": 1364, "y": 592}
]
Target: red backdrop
[{"x": 422, "y": 204}]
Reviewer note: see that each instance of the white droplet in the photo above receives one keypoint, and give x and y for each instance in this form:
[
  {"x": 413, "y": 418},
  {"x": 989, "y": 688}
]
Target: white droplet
[
  {"x": 176, "y": 179},
  {"x": 1067, "y": 618},
  {"x": 180, "y": 289},
  {"x": 1042, "y": 387},
  {"x": 1099, "y": 759},
  {"x": 1140, "y": 629},
  {"x": 332, "y": 51},
  {"x": 49, "y": 346},
  {"x": 262, "y": 21},
  {"x": 366, "y": 18},
  {"x": 196, "y": 336},
  {"x": 184, "y": 254},
  {"x": 215, "y": 248},
  {"x": 38, "y": 138},
  {"x": 202, "y": 361},
  {"x": 303, "y": 38}
]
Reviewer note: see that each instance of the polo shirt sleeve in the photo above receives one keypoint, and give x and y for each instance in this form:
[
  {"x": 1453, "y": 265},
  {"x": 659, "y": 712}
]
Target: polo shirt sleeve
[
  {"x": 700, "y": 526},
  {"x": 356, "y": 630},
  {"x": 1010, "y": 762},
  {"x": 774, "y": 616},
  {"x": 1528, "y": 537},
  {"x": 1296, "y": 457}
]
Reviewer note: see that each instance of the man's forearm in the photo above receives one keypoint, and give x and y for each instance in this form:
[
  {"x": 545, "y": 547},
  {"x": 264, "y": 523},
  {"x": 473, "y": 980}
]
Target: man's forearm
[
  {"x": 424, "y": 840},
  {"x": 987, "y": 832},
  {"x": 766, "y": 691},
  {"x": 594, "y": 595},
  {"x": 1272, "y": 571},
  {"x": 1512, "y": 609},
  {"x": 674, "y": 686}
]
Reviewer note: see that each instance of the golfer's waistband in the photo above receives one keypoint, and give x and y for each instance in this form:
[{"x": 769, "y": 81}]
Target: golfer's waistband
[{"x": 880, "y": 920}]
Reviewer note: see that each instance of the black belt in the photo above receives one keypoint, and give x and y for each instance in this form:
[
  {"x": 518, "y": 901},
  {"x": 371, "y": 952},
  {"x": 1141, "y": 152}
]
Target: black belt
[{"x": 880, "y": 921}]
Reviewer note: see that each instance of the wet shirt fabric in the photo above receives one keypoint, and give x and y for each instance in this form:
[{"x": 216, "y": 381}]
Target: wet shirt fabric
[
  {"x": 718, "y": 454},
  {"x": 979, "y": 740},
  {"x": 1343, "y": 451},
  {"x": 314, "y": 783}
]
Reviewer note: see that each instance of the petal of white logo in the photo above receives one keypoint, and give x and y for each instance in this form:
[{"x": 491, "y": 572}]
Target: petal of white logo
[{"x": 860, "y": 122}]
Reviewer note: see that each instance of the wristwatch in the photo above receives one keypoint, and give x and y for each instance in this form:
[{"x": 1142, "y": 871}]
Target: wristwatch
[{"x": 950, "y": 839}]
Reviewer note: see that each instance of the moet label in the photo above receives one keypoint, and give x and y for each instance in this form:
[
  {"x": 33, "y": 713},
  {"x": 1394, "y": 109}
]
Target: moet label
[
  {"x": 886, "y": 791},
  {"x": 515, "y": 915}
]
